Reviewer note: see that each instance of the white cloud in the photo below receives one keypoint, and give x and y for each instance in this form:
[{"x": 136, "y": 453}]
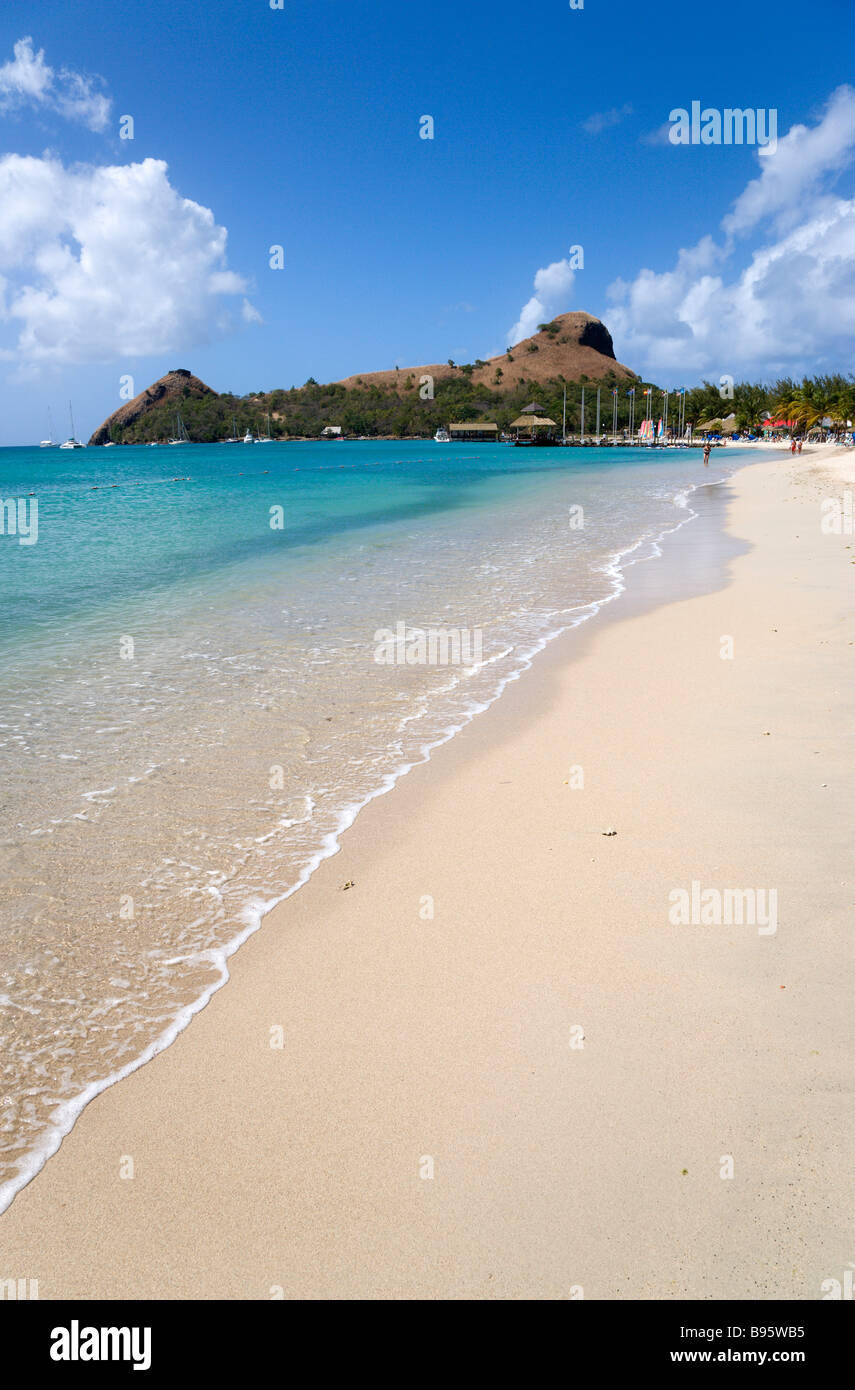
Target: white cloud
[
  {"x": 27, "y": 75},
  {"x": 105, "y": 263},
  {"x": 77, "y": 99},
  {"x": 552, "y": 286},
  {"x": 28, "y": 81},
  {"x": 659, "y": 136},
  {"x": 792, "y": 305},
  {"x": 797, "y": 167},
  {"x": 604, "y": 120}
]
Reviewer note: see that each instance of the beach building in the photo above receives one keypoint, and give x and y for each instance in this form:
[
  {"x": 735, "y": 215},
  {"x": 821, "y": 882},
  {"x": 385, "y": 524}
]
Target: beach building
[
  {"x": 331, "y": 432},
  {"x": 533, "y": 429},
  {"x": 720, "y": 425},
  {"x": 474, "y": 430}
]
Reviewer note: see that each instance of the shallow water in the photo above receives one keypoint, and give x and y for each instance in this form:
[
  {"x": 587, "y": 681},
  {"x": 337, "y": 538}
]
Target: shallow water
[{"x": 192, "y": 709}]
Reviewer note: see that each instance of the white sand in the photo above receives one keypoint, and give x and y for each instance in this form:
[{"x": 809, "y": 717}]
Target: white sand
[{"x": 555, "y": 1167}]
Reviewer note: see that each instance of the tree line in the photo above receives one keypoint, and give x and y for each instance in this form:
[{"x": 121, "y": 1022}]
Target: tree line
[{"x": 401, "y": 412}]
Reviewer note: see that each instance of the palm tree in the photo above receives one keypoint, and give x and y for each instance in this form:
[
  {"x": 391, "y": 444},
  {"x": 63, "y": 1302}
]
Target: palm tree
[
  {"x": 749, "y": 403},
  {"x": 807, "y": 404}
]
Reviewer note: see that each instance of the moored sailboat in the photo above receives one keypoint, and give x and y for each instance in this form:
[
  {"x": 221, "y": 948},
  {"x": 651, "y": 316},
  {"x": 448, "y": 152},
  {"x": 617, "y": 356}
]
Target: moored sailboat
[
  {"x": 72, "y": 442},
  {"x": 181, "y": 436},
  {"x": 49, "y": 442}
]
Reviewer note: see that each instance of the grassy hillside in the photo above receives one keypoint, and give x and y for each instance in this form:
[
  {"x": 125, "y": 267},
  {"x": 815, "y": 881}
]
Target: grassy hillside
[
  {"x": 365, "y": 410},
  {"x": 371, "y": 409}
]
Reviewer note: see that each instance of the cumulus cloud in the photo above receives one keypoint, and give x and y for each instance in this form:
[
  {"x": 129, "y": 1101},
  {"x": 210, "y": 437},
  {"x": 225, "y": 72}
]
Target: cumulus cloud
[
  {"x": 803, "y": 159},
  {"x": 791, "y": 307},
  {"x": 105, "y": 263},
  {"x": 552, "y": 286},
  {"x": 27, "y": 81},
  {"x": 604, "y": 120}
]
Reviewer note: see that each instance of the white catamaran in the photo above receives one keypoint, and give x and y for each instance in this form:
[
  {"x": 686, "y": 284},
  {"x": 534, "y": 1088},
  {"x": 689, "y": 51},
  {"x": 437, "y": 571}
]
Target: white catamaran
[{"x": 72, "y": 442}]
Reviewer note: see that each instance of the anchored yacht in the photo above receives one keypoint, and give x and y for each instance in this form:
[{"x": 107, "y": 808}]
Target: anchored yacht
[{"x": 71, "y": 442}]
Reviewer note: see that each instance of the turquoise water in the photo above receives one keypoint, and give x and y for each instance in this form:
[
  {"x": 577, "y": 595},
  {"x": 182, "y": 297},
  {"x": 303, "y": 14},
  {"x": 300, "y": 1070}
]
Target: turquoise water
[{"x": 192, "y": 709}]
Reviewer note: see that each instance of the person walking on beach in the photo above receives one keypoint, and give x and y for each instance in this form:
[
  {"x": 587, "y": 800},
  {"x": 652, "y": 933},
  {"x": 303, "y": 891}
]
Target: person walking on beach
[
  {"x": 793, "y": 447},
  {"x": 707, "y": 448},
  {"x": 800, "y": 447}
]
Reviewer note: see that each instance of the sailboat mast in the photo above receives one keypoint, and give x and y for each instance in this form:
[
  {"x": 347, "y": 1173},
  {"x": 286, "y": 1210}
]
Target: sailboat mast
[{"x": 564, "y": 419}]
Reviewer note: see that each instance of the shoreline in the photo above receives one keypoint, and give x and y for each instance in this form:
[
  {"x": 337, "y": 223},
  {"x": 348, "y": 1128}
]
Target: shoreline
[
  {"x": 616, "y": 573},
  {"x": 372, "y": 846},
  {"x": 573, "y": 441}
]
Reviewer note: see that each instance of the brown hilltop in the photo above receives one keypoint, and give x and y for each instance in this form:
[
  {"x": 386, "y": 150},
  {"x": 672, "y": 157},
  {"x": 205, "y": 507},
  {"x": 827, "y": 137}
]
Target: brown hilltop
[
  {"x": 581, "y": 345},
  {"x": 176, "y": 385},
  {"x": 576, "y": 345}
]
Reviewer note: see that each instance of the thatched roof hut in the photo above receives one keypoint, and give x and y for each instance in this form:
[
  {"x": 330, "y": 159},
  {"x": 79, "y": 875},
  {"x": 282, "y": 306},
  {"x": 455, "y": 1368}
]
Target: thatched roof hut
[
  {"x": 727, "y": 425},
  {"x": 532, "y": 422}
]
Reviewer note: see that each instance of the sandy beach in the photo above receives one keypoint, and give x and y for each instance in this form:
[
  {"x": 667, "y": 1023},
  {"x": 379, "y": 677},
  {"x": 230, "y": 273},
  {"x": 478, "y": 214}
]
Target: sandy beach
[{"x": 495, "y": 1067}]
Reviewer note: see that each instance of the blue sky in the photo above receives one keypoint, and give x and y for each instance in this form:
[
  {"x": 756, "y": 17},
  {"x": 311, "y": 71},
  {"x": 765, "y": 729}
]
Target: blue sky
[{"x": 300, "y": 127}]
